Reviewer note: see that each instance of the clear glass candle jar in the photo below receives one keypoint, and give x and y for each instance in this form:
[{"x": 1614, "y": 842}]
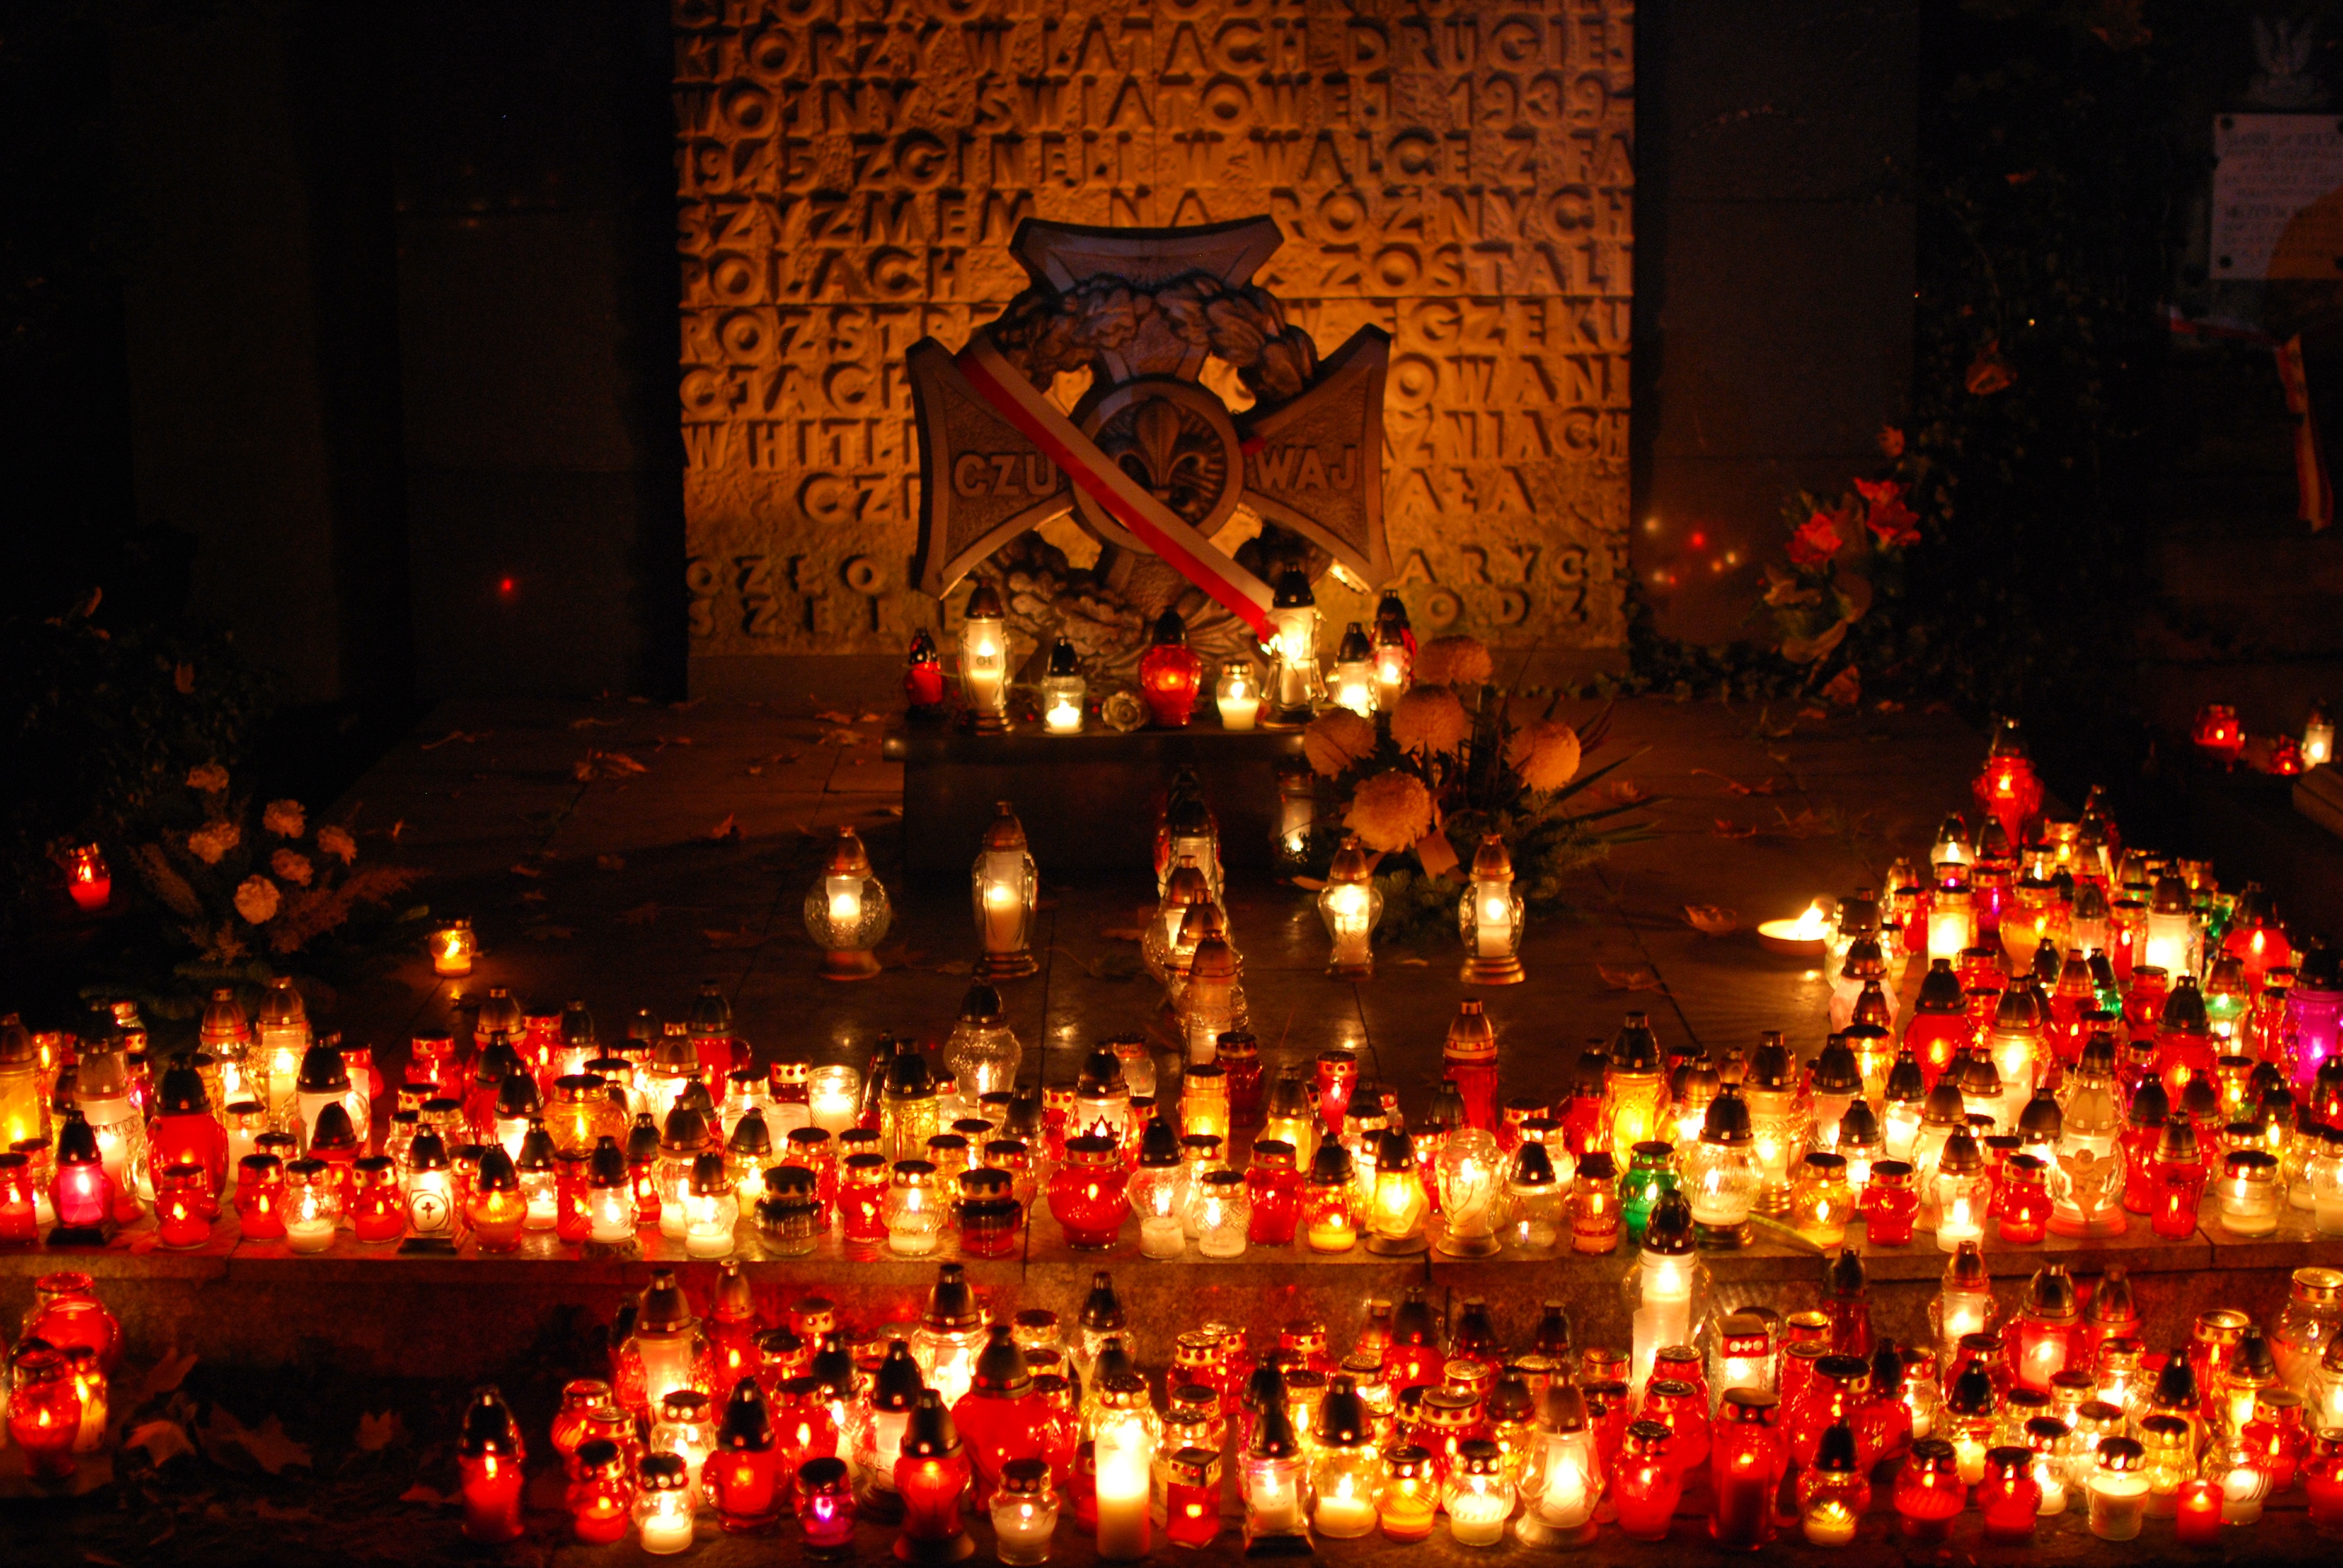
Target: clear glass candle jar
[
  {"x": 2249, "y": 1196},
  {"x": 1330, "y": 1219},
  {"x": 1476, "y": 1496},
  {"x": 2118, "y": 1488},
  {"x": 1024, "y": 1513},
  {"x": 1222, "y": 1214}
]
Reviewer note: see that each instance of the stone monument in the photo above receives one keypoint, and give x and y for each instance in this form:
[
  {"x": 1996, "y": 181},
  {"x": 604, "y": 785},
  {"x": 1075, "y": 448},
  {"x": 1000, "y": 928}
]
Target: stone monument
[{"x": 850, "y": 176}]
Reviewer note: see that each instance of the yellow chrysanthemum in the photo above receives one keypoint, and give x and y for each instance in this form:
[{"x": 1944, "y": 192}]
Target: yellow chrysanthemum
[
  {"x": 286, "y": 818},
  {"x": 1453, "y": 661},
  {"x": 1545, "y": 754},
  {"x": 1430, "y": 718},
  {"x": 1337, "y": 740},
  {"x": 293, "y": 866},
  {"x": 1389, "y": 811},
  {"x": 255, "y": 899},
  {"x": 337, "y": 842},
  {"x": 214, "y": 839},
  {"x": 209, "y": 778}
]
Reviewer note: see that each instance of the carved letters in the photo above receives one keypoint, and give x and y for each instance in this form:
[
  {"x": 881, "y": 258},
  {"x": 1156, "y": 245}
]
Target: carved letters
[{"x": 848, "y": 173}]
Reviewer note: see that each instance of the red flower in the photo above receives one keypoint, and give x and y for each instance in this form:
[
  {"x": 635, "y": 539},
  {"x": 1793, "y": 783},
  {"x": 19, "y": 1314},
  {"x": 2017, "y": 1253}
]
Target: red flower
[
  {"x": 1885, "y": 515},
  {"x": 1816, "y": 543}
]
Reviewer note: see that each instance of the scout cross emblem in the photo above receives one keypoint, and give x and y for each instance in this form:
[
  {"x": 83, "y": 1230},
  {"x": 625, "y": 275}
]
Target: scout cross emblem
[{"x": 1150, "y": 458}]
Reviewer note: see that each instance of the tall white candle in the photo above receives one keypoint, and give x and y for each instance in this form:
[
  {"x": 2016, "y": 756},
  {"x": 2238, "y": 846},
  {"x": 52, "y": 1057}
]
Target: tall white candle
[{"x": 1124, "y": 1533}]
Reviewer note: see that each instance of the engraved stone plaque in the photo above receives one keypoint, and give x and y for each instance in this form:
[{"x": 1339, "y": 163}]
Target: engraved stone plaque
[{"x": 852, "y": 174}]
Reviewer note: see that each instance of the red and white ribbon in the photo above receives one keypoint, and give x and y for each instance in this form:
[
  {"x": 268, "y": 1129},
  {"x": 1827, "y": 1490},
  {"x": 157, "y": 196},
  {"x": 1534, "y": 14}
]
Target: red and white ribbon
[{"x": 1015, "y": 399}]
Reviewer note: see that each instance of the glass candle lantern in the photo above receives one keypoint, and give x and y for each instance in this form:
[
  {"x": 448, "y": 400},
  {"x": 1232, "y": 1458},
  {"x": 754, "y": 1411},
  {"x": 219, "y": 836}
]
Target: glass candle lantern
[
  {"x": 1347, "y": 1473},
  {"x": 1275, "y": 1479},
  {"x": 1221, "y": 1212},
  {"x": 2178, "y": 1178},
  {"x": 984, "y": 660},
  {"x": 1719, "y": 1174},
  {"x": 1477, "y": 1497},
  {"x": 915, "y": 1210},
  {"x": 931, "y": 1472},
  {"x": 1024, "y": 1513},
  {"x": 1489, "y": 917},
  {"x": 1963, "y": 1189},
  {"x": 1064, "y": 692},
  {"x": 600, "y": 1493},
  {"x": 1004, "y": 887},
  {"x": 313, "y": 1206},
  {"x": 1351, "y": 905},
  {"x": 2118, "y": 1490},
  {"x": 847, "y": 912},
  {"x": 1296, "y": 686},
  {"x": 2249, "y": 1196},
  {"x": 1353, "y": 682},
  {"x": 1236, "y": 694},
  {"x": 989, "y": 1219},
  {"x": 1539, "y": 1209},
  {"x": 1396, "y": 1206},
  {"x": 826, "y": 1507}
]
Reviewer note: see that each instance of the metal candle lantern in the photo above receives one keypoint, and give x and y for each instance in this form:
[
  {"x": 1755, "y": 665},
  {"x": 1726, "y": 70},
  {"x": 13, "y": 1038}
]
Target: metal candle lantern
[
  {"x": 1489, "y": 917},
  {"x": 845, "y": 911}
]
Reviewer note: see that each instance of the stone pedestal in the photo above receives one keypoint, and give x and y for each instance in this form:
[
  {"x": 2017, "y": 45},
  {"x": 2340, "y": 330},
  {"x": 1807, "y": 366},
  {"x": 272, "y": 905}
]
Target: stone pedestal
[{"x": 1089, "y": 802}]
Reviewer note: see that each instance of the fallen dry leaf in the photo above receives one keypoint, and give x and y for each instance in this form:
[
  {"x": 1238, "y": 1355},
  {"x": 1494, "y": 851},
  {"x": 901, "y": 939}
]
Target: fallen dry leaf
[
  {"x": 163, "y": 1441},
  {"x": 1804, "y": 825},
  {"x": 1814, "y": 713},
  {"x": 831, "y": 716},
  {"x": 640, "y": 915},
  {"x": 1641, "y": 977},
  {"x": 266, "y": 1444},
  {"x": 873, "y": 718},
  {"x": 376, "y": 1433},
  {"x": 743, "y": 938},
  {"x": 605, "y": 765},
  {"x": 611, "y": 862},
  {"x": 1888, "y": 705},
  {"x": 1712, "y": 920},
  {"x": 843, "y": 738},
  {"x": 522, "y": 869},
  {"x": 1728, "y": 829},
  {"x": 592, "y": 723},
  {"x": 728, "y": 828},
  {"x": 1770, "y": 787},
  {"x": 418, "y": 1492},
  {"x": 164, "y": 1376},
  {"x": 1626, "y": 791}
]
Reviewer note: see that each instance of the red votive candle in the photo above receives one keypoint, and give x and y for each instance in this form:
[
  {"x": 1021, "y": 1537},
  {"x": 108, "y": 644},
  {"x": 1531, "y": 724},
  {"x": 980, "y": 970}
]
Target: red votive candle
[
  {"x": 1647, "y": 1484},
  {"x": 180, "y": 1207},
  {"x": 2009, "y": 1497},
  {"x": 602, "y": 1493},
  {"x": 1928, "y": 1490},
  {"x": 2198, "y": 1523},
  {"x": 488, "y": 1457},
  {"x": 826, "y": 1507}
]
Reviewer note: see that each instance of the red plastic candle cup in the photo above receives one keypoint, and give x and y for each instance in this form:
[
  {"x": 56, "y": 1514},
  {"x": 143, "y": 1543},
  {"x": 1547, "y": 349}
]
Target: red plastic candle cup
[
  {"x": 1646, "y": 1484},
  {"x": 488, "y": 1459},
  {"x": 44, "y": 1412},
  {"x": 2198, "y": 1523},
  {"x": 2009, "y": 1497},
  {"x": 600, "y": 1496},
  {"x": 1338, "y": 1072},
  {"x": 1928, "y": 1490},
  {"x": 826, "y": 1507},
  {"x": 180, "y": 1205},
  {"x": 20, "y": 1223}
]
